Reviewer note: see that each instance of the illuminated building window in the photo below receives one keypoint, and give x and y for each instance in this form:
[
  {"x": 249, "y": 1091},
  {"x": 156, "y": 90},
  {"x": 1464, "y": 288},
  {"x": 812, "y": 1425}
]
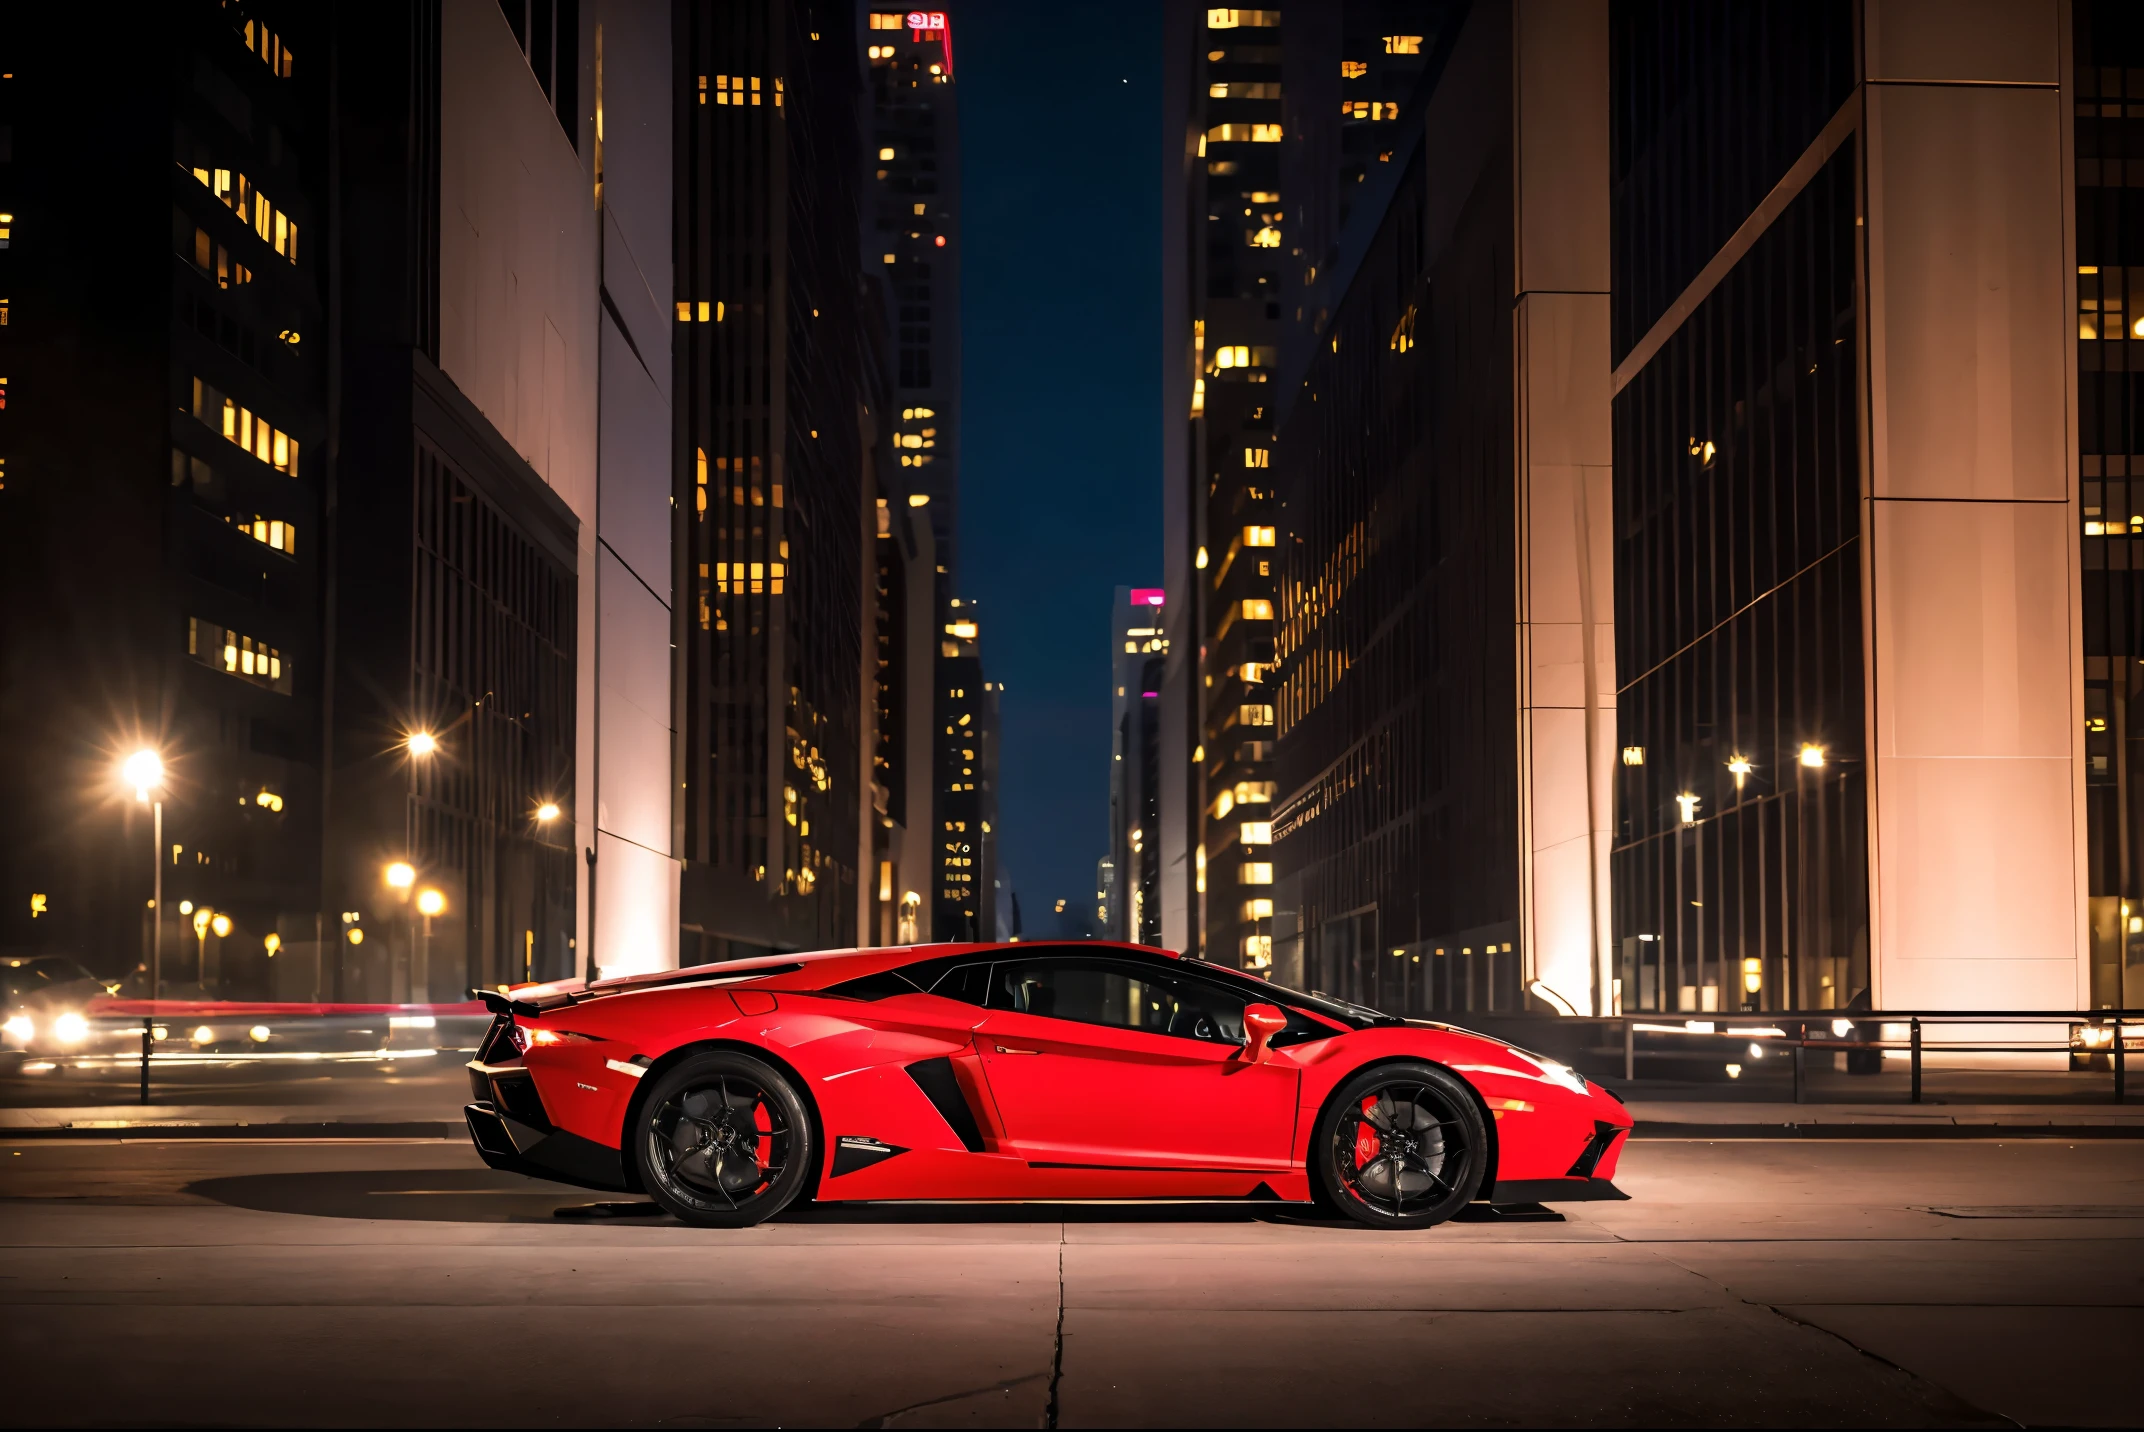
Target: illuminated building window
[
  {"x": 1369, "y": 109},
  {"x": 1403, "y": 44},
  {"x": 7, "y": 229},
  {"x": 276, "y": 228},
  {"x": 216, "y": 263},
  {"x": 3, "y": 313},
  {"x": 1353, "y": 69},
  {"x": 1255, "y": 792},
  {"x": 1257, "y": 536},
  {"x": 1244, "y": 134},
  {"x": 1244, "y": 89},
  {"x": 268, "y": 46},
  {"x": 240, "y": 656},
  {"x": 1235, "y": 355},
  {"x": 1633, "y": 755},
  {"x": 276, "y": 448},
  {"x": 270, "y": 532},
  {"x": 1257, "y": 951},
  {"x": 1251, "y": 715},
  {"x": 740, "y": 579},
  {"x": 897, "y": 21},
  {"x": 1232, "y": 19},
  {"x": 1256, "y": 832},
  {"x": 745, "y": 89},
  {"x": 1257, "y": 609},
  {"x": 1259, "y": 909},
  {"x": 1255, "y": 872},
  {"x": 1265, "y": 238},
  {"x": 1257, "y": 457},
  {"x": 701, "y": 312},
  {"x": 3, "y": 395}
]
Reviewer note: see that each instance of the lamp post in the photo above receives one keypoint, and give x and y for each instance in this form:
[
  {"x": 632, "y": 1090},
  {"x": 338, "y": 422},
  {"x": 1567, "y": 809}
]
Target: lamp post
[
  {"x": 144, "y": 770},
  {"x": 429, "y": 903}
]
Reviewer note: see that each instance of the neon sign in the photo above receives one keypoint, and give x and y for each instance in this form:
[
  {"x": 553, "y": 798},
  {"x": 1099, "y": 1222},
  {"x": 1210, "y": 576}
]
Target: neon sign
[{"x": 926, "y": 19}]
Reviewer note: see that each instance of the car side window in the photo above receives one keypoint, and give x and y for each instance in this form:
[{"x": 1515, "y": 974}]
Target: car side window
[
  {"x": 1119, "y": 994},
  {"x": 958, "y": 977}
]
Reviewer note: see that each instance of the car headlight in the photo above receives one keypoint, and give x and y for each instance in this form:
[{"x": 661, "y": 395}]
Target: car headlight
[
  {"x": 18, "y": 1026},
  {"x": 70, "y": 1028},
  {"x": 1561, "y": 1075}
]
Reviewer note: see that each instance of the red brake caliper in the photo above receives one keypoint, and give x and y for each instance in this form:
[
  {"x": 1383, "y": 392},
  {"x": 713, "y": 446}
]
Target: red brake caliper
[{"x": 1366, "y": 1141}]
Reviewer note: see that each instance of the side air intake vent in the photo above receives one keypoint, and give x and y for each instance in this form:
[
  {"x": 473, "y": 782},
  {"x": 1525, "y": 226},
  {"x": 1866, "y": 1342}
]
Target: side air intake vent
[
  {"x": 935, "y": 1078},
  {"x": 1596, "y": 1149}
]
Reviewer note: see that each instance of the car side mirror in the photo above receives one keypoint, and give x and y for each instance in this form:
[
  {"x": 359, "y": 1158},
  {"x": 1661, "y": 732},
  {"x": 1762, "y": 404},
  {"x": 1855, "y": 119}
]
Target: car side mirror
[{"x": 1260, "y": 1023}]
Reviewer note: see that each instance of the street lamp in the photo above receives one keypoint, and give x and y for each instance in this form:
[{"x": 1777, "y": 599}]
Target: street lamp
[
  {"x": 144, "y": 770},
  {"x": 429, "y": 903},
  {"x": 202, "y": 917},
  {"x": 547, "y": 812},
  {"x": 401, "y": 875},
  {"x": 421, "y": 743}
]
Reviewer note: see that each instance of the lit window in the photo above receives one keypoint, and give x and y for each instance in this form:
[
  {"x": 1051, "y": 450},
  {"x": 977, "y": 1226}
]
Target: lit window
[
  {"x": 1255, "y": 715},
  {"x": 1403, "y": 44},
  {"x": 1257, "y": 457},
  {"x": 1257, "y": 609},
  {"x": 276, "y": 448},
  {"x": 1255, "y": 872},
  {"x": 270, "y": 532},
  {"x": 1257, "y": 536},
  {"x": 268, "y": 46},
  {"x": 1244, "y": 19},
  {"x": 739, "y": 579},
  {"x": 886, "y": 153},
  {"x": 7, "y": 229},
  {"x": 1368, "y": 109},
  {"x": 1255, "y": 792},
  {"x": 1353, "y": 69},
  {"x": 1244, "y": 134},
  {"x": 880, "y": 21},
  {"x": 240, "y": 656},
  {"x": 1633, "y": 755},
  {"x": 964, "y": 631},
  {"x": 1257, "y": 951},
  {"x": 1236, "y": 355},
  {"x": 3, "y": 313},
  {"x": 1242, "y": 89},
  {"x": 277, "y": 229},
  {"x": 1256, "y": 832},
  {"x": 1266, "y": 238},
  {"x": 1259, "y": 909}
]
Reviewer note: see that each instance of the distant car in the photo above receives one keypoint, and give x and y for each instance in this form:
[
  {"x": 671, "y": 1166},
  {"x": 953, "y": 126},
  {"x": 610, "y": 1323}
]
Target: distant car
[
  {"x": 1021, "y": 1072},
  {"x": 43, "y": 1001}
]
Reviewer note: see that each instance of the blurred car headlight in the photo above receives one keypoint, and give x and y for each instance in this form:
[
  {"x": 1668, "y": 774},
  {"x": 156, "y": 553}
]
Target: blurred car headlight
[
  {"x": 18, "y": 1026},
  {"x": 204, "y": 1035},
  {"x": 258, "y": 1034},
  {"x": 70, "y": 1028}
]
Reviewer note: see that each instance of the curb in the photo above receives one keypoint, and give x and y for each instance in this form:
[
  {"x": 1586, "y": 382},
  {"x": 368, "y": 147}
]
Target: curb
[
  {"x": 1887, "y": 1131},
  {"x": 197, "y": 1130}
]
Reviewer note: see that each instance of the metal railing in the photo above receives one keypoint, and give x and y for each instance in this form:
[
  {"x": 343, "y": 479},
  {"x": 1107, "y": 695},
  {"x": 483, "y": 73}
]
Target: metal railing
[{"x": 2088, "y": 1033}]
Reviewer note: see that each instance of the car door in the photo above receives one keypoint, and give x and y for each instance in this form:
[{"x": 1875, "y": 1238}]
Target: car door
[{"x": 1101, "y": 1062}]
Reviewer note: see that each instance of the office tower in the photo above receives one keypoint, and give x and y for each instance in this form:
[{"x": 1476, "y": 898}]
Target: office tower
[
  {"x": 966, "y": 763},
  {"x": 912, "y": 236},
  {"x": 1222, "y": 294},
  {"x": 776, "y": 389},
  {"x": 409, "y": 380},
  {"x": 902, "y": 825},
  {"x": 1130, "y": 876}
]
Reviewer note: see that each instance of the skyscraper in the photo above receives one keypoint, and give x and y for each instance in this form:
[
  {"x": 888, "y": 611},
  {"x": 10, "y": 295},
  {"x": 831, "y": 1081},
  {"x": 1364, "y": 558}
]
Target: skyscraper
[
  {"x": 366, "y": 440},
  {"x": 912, "y": 236},
  {"x": 1132, "y": 871},
  {"x": 966, "y": 759}
]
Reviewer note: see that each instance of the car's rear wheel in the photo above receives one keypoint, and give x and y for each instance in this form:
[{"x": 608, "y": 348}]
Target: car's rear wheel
[
  {"x": 1401, "y": 1146},
  {"x": 724, "y": 1141}
]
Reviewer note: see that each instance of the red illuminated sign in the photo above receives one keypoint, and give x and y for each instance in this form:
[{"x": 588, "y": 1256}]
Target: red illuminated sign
[
  {"x": 926, "y": 19},
  {"x": 1146, "y": 596}
]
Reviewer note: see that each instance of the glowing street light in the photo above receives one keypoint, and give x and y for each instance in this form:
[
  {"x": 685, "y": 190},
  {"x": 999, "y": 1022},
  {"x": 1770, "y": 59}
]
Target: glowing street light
[
  {"x": 221, "y": 924},
  {"x": 547, "y": 812},
  {"x": 401, "y": 875},
  {"x": 431, "y": 902},
  {"x": 1813, "y": 756},
  {"x": 144, "y": 771},
  {"x": 1739, "y": 768},
  {"x": 1689, "y": 804},
  {"x": 421, "y": 743}
]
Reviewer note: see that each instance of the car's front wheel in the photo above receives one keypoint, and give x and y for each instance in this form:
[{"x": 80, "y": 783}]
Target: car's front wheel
[
  {"x": 724, "y": 1141},
  {"x": 1401, "y": 1146}
]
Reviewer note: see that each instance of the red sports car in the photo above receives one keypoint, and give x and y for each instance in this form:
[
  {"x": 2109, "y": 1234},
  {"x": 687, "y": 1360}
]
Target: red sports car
[{"x": 1023, "y": 1071}]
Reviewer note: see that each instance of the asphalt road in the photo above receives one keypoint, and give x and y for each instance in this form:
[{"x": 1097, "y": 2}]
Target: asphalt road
[{"x": 1751, "y": 1282}]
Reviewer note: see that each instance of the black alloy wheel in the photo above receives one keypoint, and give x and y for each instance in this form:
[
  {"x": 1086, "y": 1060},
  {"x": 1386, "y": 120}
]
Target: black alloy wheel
[
  {"x": 724, "y": 1141},
  {"x": 1400, "y": 1146}
]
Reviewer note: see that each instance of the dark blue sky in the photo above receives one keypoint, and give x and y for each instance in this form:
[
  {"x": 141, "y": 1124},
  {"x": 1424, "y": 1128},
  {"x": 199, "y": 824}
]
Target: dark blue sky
[{"x": 1060, "y": 494}]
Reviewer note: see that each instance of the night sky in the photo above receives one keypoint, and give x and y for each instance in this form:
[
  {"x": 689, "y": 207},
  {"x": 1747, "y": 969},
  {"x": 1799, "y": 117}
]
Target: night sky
[{"x": 1061, "y": 486}]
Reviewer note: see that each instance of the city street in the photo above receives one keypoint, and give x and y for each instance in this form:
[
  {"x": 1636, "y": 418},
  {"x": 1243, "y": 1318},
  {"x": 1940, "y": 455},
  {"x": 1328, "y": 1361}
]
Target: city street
[{"x": 1867, "y": 1282}]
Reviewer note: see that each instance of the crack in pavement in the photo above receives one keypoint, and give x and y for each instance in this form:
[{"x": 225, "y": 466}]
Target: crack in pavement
[
  {"x": 885, "y": 1419},
  {"x": 1057, "y": 1358}
]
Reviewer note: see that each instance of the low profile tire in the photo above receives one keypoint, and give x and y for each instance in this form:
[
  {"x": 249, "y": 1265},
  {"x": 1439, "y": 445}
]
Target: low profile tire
[
  {"x": 724, "y": 1141},
  {"x": 1400, "y": 1146}
]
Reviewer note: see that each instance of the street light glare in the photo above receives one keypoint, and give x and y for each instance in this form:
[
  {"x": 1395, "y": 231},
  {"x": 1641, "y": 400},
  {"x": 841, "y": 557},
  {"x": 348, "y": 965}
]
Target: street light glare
[
  {"x": 431, "y": 902},
  {"x": 144, "y": 770},
  {"x": 548, "y": 811},
  {"x": 221, "y": 925},
  {"x": 401, "y": 875},
  {"x": 422, "y": 743}
]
